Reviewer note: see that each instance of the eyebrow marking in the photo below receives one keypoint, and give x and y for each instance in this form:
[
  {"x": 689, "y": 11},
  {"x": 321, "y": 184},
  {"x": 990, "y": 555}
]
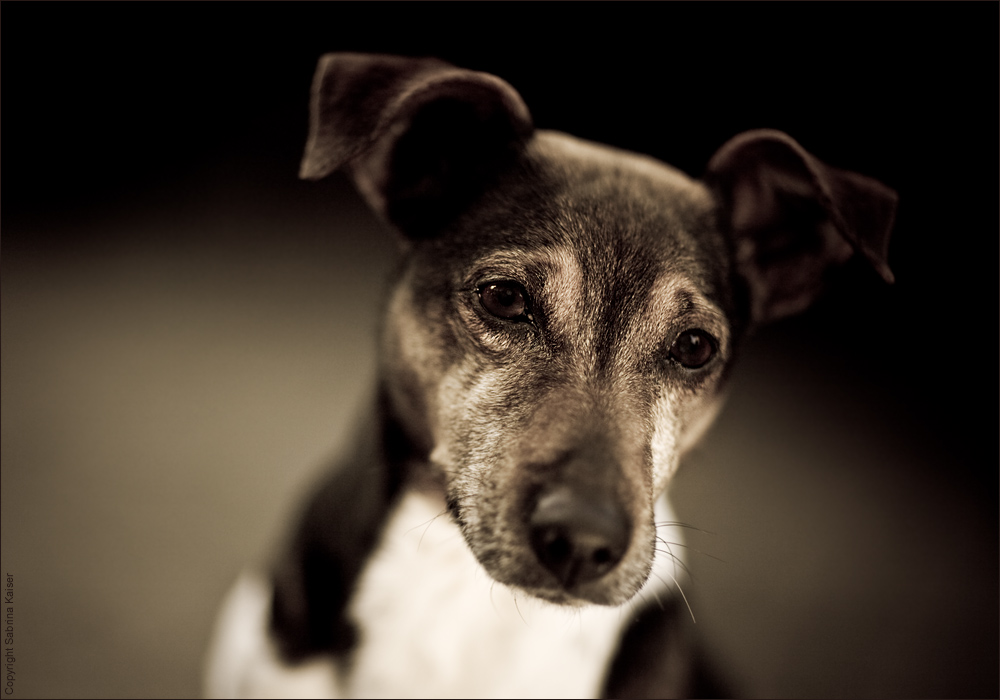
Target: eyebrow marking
[
  {"x": 563, "y": 292},
  {"x": 672, "y": 303}
]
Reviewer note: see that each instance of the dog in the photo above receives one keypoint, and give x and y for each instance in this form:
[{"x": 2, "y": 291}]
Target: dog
[{"x": 557, "y": 335}]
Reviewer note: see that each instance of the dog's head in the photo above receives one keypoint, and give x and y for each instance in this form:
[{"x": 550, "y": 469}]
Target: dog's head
[{"x": 566, "y": 313}]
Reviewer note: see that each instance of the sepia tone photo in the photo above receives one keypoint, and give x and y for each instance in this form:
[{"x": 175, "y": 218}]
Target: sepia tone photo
[{"x": 499, "y": 350}]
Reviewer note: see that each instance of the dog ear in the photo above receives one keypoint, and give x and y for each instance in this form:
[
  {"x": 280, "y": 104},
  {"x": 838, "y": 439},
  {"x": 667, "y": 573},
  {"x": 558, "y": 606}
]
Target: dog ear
[
  {"x": 419, "y": 137},
  {"x": 793, "y": 217}
]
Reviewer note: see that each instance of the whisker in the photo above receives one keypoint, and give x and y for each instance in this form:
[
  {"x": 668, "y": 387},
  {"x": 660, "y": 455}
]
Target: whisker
[
  {"x": 693, "y": 549},
  {"x": 677, "y": 561},
  {"x": 675, "y": 523},
  {"x": 518, "y": 608},
  {"x": 493, "y": 603},
  {"x": 656, "y": 597},
  {"x": 667, "y": 550},
  {"x": 681, "y": 591},
  {"x": 427, "y": 526}
]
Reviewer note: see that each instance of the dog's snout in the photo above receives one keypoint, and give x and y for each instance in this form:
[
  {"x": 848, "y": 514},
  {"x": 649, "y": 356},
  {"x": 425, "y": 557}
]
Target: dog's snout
[{"x": 579, "y": 537}]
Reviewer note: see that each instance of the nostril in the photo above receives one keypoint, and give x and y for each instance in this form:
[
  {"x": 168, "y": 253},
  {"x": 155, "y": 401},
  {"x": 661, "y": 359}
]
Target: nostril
[
  {"x": 602, "y": 556},
  {"x": 578, "y": 538},
  {"x": 554, "y": 547},
  {"x": 557, "y": 547}
]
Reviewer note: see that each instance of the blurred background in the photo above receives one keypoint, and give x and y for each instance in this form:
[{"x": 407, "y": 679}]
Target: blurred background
[{"x": 188, "y": 330}]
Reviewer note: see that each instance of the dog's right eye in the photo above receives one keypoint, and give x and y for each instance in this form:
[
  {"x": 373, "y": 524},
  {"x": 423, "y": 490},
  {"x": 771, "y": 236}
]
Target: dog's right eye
[
  {"x": 693, "y": 348},
  {"x": 506, "y": 300}
]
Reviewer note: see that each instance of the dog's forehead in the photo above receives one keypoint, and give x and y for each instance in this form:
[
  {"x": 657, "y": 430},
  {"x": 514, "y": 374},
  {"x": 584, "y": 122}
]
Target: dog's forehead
[
  {"x": 615, "y": 200},
  {"x": 628, "y": 219},
  {"x": 598, "y": 169}
]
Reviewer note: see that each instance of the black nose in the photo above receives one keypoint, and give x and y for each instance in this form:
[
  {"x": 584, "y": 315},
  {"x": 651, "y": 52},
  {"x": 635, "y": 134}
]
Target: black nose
[{"x": 578, "y": 537}]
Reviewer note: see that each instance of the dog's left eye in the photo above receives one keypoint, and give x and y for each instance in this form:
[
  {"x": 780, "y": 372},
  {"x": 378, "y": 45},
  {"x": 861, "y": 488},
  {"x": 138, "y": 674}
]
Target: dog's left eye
[
  {"x": 506, "y": 300},
  {"x": 693, "y": 348}
]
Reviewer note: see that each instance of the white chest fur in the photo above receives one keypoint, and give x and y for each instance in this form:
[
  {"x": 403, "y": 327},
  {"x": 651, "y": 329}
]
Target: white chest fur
[
  {"x": 434, "y": 624},
  {"x": 431, "y": 624}
]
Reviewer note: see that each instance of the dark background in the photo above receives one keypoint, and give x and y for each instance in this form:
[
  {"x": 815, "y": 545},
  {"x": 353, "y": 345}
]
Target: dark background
[{"x": 187, "y": 328}]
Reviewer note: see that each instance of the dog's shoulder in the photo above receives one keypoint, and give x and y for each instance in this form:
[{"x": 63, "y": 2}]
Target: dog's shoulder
[{"x": 317, "y": 570}]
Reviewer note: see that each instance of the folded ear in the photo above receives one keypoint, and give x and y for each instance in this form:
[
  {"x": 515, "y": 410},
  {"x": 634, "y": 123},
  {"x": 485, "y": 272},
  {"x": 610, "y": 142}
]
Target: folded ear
[
  {"x": 419, "y": 136},
  {"x": 793, "y": 217}
]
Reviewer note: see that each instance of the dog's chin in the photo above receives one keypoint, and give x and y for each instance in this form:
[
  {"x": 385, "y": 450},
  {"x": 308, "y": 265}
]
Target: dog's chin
[
  {"x": 583, "y": 598},
  {"x": 615, "y": 588}
]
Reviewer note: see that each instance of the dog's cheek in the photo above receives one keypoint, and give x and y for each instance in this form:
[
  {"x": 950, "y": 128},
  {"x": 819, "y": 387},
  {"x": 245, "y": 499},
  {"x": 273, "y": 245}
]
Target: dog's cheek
[
  {"x": 699, "y": 420},
  {"x": 666, "y": 434},
  {"x": 680, "y": 419},
  {"x": 418, "y": 349},
  {"x": 484, "y": 416},
  {"x": 474, "y": 414}
]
